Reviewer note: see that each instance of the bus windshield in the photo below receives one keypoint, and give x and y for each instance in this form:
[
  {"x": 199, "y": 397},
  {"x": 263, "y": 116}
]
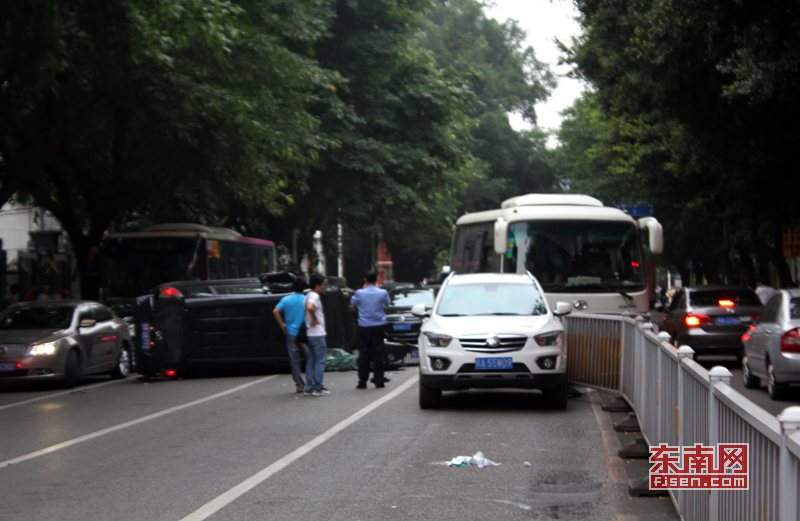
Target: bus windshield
[
  {"x": 131, "y": 267},
  {"x": 582, "y": 255}
]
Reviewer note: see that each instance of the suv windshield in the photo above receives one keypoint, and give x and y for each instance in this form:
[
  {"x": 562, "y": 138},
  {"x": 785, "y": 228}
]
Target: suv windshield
[
  {"x": 405, "y": 298},
  {"x": 491, "y": 299},
  {"x": 707, "y": 299},
  {"x": 38, "y": 317}
]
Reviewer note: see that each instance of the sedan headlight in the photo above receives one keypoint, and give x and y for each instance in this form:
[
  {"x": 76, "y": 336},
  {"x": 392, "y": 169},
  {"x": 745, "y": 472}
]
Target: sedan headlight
[
  {"x": 435, "y": 340},
  {"x": 549, "y": 339},
  {"x": 48, "y": 348}
]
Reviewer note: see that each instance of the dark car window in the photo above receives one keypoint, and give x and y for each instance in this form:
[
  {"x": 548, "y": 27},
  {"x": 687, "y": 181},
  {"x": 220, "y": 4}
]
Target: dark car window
[
  {"x": 101, "y": 314},
  {"x": 409, "y": 297},
  {"x": 794, "y": 308},
  {"x": 38, "y": 317},
  {"x": 707, "y": 299},
  {"x": 239, "y": 290},
  {"x": 773, "y": 309},
  {"x": 85, "y": 313},
  {"x": 122, "y": 310}
]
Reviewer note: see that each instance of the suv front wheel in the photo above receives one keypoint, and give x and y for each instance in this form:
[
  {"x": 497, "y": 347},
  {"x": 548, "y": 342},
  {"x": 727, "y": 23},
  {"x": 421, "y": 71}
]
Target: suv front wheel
[{"x": 429, "y": 398}]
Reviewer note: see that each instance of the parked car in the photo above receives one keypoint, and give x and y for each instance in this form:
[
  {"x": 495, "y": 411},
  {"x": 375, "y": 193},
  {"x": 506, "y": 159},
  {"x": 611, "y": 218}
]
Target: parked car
[
  {"x": 772, "y": 345},
  {"x": 711, "y": 319},
  {"x": 491, "y": 330},
  {"x": 62, "y": 340},
  {"x": 402, "y": 327}
]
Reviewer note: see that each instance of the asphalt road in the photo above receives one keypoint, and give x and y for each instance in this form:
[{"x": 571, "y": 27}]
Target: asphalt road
[{"x": 239, "y": 446}]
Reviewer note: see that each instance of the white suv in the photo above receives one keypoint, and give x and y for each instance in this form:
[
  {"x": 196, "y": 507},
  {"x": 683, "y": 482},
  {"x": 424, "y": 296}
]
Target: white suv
[{"x": 488, "y": 331}]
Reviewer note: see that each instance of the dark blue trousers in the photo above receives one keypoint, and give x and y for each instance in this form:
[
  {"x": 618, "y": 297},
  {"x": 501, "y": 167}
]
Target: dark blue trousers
[{"x": 370, "y": 349}]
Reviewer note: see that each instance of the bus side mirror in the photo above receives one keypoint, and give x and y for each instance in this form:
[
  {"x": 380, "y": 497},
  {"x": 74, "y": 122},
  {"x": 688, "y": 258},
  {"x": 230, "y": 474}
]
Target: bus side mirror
[
  {"x": 500, "y": 236},
  {"x": 655, "y": 233}
]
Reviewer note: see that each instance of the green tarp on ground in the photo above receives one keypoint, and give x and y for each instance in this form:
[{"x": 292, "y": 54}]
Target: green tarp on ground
[{"x": 339, "y": 360}]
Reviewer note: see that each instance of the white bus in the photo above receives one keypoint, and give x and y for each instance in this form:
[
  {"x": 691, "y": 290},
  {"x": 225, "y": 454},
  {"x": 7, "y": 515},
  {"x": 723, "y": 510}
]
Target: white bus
[{"x": 580, "y": 251}]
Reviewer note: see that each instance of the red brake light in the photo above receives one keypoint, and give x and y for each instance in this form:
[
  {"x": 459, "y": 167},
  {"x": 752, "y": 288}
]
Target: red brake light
[
  {"x": 635, "y": 264},
  {"x": 790, "y": 341},
  {"x": 726, "y": 303},
  {"x": 170, "y": 373},
  {"x": 746, "y": 335},
  {"x": 756, "y": 316},
  {"x": 170, "y": 292},
  {"x": 696, "y": 320}
]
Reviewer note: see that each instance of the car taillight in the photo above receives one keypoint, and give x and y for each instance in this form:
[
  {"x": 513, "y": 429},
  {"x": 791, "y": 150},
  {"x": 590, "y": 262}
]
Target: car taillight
[
  {"x": 746, "y": 335},
  {"x": 696, "y": 320},
  {"x": 725, "y": 303},
  {"x": 170, "y": 292},
  {"x": 790, "y": 341},
  {"x": 756, "y": 316}
]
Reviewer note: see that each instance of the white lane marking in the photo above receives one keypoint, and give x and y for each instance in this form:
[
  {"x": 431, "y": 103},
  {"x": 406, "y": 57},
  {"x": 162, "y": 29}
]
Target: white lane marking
[
  {"x": 125, "y": 425},
  {"x": 61, "y": 393},
  {"x": 231, "y": 495}
]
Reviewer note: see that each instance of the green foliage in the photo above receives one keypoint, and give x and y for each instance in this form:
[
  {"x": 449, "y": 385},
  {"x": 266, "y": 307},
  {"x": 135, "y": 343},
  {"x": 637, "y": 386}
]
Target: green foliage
[
  {"x": 509, "y": 79},
  {"x": 137, "y": 111}
]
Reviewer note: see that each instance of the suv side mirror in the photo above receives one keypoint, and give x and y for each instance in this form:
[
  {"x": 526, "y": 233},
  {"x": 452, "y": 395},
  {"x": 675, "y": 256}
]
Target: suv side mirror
[
  {"x": 562, "y": 308},
  {"x": 88, "y": 322},
  {"x": 418, "y": 310}
]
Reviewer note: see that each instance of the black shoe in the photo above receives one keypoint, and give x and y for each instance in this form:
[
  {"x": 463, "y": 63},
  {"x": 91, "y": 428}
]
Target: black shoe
[
  {"x": 361, "y": 385},
  {"x": 385, "y": 380},
  {"x": 379, "y": 386}
]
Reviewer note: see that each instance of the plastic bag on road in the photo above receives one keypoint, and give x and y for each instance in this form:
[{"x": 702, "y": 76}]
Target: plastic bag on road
[{"x": 478, "y": 459}]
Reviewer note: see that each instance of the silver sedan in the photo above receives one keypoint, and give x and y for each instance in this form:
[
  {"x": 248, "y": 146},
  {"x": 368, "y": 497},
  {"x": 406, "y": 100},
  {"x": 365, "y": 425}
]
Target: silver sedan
[
  {"x": 772, "y": 345},
  {"x": 63, "y": 341}
]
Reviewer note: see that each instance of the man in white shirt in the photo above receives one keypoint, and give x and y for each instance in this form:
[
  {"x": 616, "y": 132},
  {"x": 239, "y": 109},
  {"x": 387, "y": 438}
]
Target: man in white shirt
[
  {"x": 765, "y": 292},
  {"x": 317, "y": 348}
]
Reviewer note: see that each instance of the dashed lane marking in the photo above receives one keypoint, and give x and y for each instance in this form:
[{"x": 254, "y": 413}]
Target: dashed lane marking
[
  {"x": 231, "y": 495},
  {"x": 103, "y": 432}
]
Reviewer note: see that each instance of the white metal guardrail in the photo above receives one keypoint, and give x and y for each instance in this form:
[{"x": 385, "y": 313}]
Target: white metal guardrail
[{"x": 680, "y": 403}]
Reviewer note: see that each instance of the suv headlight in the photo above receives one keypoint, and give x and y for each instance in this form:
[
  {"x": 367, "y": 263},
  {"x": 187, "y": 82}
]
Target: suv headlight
[
  {"x": 435, "y": 340},
  {"x": 48, "y": 348},
  {"x": 549, "y": 339}
]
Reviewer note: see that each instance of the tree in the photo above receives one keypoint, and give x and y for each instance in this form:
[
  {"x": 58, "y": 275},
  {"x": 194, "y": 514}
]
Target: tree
[
  {"x": 683, "y": 77},
  {"x": 510, "y": 79},
  {"x": 399, "y": 163},
  {"x": 137, "y": 110}
]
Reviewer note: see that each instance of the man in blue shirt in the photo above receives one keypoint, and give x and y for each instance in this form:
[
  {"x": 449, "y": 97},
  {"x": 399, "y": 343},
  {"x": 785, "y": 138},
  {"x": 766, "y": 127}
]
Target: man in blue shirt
[
  {"x": 371, "y": 321},
  {"x": 292, "y": 308}
]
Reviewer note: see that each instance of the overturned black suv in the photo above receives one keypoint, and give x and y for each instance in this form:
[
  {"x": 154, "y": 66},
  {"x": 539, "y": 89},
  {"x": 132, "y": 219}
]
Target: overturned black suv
[{"x": 192, "y": 323}]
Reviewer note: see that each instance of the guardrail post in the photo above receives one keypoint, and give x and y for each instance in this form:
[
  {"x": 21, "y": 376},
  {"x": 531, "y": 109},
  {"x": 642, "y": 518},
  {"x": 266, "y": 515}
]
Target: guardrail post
[
  {"x": 787, "y": 476},
  {"x": 717, "y": 374},
  {"x": 648, "y": 326},
  {"x": 683, "y": 353},
  {"x": 640, "y": 358}
]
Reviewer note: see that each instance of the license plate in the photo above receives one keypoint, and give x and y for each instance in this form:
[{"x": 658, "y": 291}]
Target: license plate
[
  {"x": 401, "y": 327},
  {"x": 145, "y": 336},
  {"x": 729, "y": 321},
  {"x": 7, "y": 367},
  {"x": 484, "y": 364},
  {"x": 414, "y": 353}
]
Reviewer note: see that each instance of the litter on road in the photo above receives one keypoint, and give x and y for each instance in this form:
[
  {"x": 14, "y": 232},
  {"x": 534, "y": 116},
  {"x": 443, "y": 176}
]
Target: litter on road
[{"x": 465, "y": 461}]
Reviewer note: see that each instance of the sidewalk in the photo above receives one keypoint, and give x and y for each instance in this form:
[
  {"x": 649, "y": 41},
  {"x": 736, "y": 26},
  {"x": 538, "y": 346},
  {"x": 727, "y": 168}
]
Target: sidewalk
[{"x": 624, "y": 473}]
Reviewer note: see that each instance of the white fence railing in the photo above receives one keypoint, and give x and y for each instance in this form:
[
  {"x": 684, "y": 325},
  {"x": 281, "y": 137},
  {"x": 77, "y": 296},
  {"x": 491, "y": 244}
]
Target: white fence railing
[{"x": 680, "y": 403}]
